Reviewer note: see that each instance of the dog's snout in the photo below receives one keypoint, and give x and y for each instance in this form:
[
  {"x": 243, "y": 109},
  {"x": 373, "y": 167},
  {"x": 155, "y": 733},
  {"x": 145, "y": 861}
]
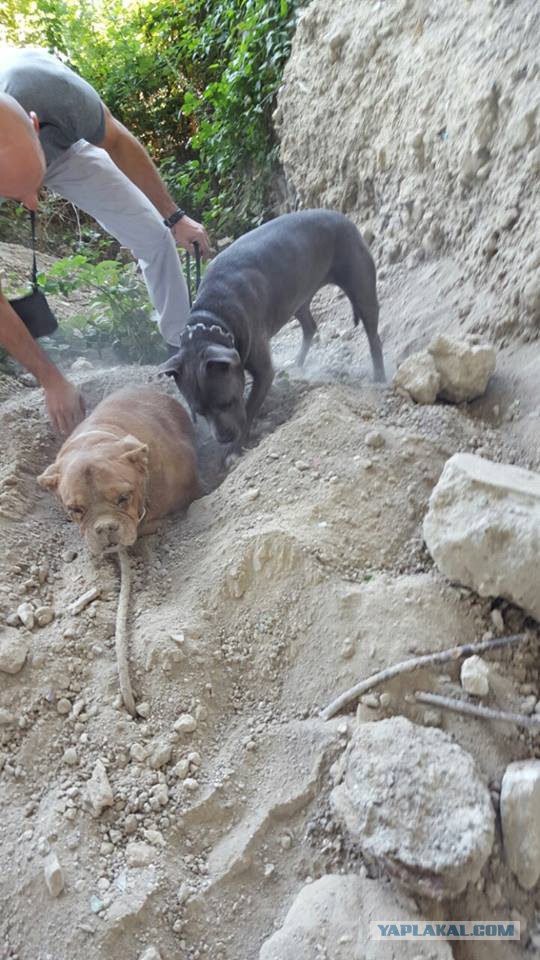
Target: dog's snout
[{"x": 107, "y": 530}]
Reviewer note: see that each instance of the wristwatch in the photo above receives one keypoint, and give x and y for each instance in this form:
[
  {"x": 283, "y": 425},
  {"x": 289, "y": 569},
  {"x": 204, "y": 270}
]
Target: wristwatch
[{"x": 174, "y": 218}]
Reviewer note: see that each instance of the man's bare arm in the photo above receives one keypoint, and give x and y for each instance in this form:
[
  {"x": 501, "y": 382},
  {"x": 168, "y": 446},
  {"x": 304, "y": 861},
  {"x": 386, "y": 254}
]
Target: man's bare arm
[
  {"x": 133, "y": 160},
  {"x": 64, "y": 403}
]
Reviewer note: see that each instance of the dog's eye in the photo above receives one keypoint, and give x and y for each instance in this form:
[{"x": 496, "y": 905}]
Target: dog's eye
[
  {"x": 226, "y": 405},
  {"x": 76, "y": 512},
  {"x": 122, "y": 500}
]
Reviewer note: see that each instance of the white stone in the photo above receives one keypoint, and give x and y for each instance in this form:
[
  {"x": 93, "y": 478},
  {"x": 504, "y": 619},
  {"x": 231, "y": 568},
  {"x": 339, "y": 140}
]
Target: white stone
[
  {"x": 185, "y": 724},
  {"x": 520, "y": 820},
  {"x": 161, "y": 754},
  {"x": 475, "y": 676},
  {"x": 374, "y": 439},
  {"x": 25, "y": 613},
  {"x": 44, "y": 616},
  {"x": 98, "y": 790},
  {"x": 413, "y": 801},
  {"x": 331, "y": 917},
  {"x": 151, "y": 953},
  {"x": 464, "y": 368},
  {"x": 139, "y": 854},
  {"x": 418, "y": 378},
  {"x": 81, "y": 363},
  {"x": 13, "y": 650},
  {"x": 54, "y": 877},
  {"x": 483, "y": 528}
]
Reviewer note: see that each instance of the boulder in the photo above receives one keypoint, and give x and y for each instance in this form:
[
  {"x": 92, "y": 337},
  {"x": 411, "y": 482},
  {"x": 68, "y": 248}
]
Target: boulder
[
  {"x": 13, "y": 650},
  {"x": 331, "y": 918},
  {"x": 413, "y": 801},
  {"x": 418, "y": 378},
  {"x": 483, "y": 528},
  {"x": 464, "y": 368},
  {"x": 520, "y": 820}
]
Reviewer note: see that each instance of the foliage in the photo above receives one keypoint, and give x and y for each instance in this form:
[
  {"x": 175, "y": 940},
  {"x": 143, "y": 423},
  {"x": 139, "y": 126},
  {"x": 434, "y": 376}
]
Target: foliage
[
  {"x": 195, "y": 80},
  {"x": 117, "y": 313}
]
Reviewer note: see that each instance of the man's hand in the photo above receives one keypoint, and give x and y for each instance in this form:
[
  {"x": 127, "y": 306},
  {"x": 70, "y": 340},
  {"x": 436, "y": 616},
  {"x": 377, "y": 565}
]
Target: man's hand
[
  {"x": 188, "y": 231},
  {"x": 65, "y": 405}
]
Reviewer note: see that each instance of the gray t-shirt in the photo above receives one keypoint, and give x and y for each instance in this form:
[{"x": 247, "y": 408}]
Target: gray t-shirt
[{"x": 67, "y": 107}]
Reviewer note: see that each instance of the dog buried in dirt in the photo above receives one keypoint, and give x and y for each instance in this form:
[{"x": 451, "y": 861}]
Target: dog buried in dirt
[
  {"x": 130, "y": 463},
  {"x": 249, "y": 292}
]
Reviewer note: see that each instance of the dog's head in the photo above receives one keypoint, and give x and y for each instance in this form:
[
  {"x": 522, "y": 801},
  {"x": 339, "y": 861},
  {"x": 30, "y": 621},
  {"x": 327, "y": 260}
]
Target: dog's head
[
  {"x": 211, "y": 378},
  {"x": 102, "y": 489}
]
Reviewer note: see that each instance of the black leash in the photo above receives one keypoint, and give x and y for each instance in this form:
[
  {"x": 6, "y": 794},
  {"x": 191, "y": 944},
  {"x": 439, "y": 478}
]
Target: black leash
[
  {"x": 197, "y": 272},
  {"x": 34, "y": 261}
]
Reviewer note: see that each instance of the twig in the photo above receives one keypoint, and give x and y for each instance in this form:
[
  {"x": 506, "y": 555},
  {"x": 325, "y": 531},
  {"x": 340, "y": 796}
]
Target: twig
[
  {"x": 475, "y": 710},
  {"x": 121, "y": 641},
  {"x": 415, "y": 663}
]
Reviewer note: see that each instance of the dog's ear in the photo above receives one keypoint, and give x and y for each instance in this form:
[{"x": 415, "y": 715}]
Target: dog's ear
[
  {"x": 50, "y": 478},
  {"x": 219, "y": 359},
  {"x": 174, "y": 366},
  {"x": 132, "y": 450}
]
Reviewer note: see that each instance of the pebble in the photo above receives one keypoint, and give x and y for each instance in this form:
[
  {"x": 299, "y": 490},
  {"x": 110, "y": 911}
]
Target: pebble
[
  {"x": 68, "y": 556},
  {"x": 13, "y": 651},
  {"x": 191, "y": 784},
  {"x": 151, "y": 953},
  {"x": 374, "y": 439},
  {"x": 301, "y": 465},
  {"x": 96, "y": 905},
  {"x": 347, "y": 649},
  {"x": 371, "y": 700},
  {"x": 252, "y": 493},
  {"x": 44, "y": 616},
  {"x": 285, "y": 842},
  {"x": 54, "y": 877},
  {"x": 528, "y": 705},
  {"x": 131, "y": 823},
  {"x": 139, "y": 854},
  {"x": 137, "y": 752},
  {"x": 475, "y": 676},
  {"x": 161, "y": 754},
  {"x": 185, "y": 724},
  {"x": 70, "y": 757},
  {"x": 181, "y": 769},
  {"x": 25, "y": 613},
  {"x": 98, "y": 790},
  {"x": 63, "y": 706},
  {"x": 143, "y": 709},
  {"x": 497, "y": 620}
]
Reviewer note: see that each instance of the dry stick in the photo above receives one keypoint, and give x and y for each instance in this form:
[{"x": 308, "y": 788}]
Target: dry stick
[
  {"x": 475, "y": 710},
  {"x": 121, "y": 641},
  {"x": 406, "y": 666}
]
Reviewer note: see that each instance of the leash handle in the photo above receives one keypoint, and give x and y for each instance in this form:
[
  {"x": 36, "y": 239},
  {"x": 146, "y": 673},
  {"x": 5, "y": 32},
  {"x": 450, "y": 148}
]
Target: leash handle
[
  {"x": 34, "y": 261},
  {"x": 197, "y": 271}
]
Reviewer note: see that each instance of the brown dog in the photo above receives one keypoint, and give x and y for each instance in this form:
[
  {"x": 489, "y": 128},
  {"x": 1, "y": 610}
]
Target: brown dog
[{"x": 133, "y": 458}]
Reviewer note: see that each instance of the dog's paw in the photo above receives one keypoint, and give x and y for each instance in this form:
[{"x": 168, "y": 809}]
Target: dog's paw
[{"x": 231, "y": 459}]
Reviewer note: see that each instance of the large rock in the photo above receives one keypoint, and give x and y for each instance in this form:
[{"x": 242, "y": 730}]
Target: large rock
[
  {"x": 13, "y": 650},
  {"x": 520, "y": 820},
  {"x": 418, "y": 377},
  {"x": 331, "y": 919},
  {"x": 464, "y": 368},
  {"x": 483, "y": 529},
  {"x": 413, "y": 801}
]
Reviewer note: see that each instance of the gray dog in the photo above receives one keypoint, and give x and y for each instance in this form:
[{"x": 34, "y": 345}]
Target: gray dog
[{"x": 249, "y": 292}]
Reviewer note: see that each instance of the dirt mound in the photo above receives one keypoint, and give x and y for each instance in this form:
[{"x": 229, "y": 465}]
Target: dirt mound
[{"x": 421, "y": 121}]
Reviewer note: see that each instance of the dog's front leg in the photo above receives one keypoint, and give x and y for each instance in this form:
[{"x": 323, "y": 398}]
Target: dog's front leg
[{"x": 260, "y": 368}]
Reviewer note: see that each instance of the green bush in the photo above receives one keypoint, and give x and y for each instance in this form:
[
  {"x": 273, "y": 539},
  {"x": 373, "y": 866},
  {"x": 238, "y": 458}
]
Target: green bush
[
  {"x": 116, "y": 314},
  {"x": 195, "y": 80}
]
